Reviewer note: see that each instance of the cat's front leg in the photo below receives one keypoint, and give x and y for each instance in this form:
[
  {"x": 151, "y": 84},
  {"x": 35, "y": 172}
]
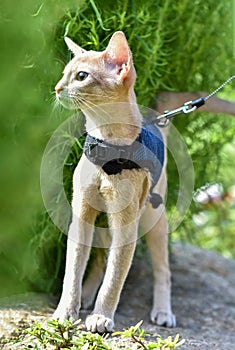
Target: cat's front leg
[
  {"x": 102, "y": 318},
  {"x": 78, "y": 251},
  {"x": 119, "y": 261},
  {"x": 123, "y": 210},
  {"x": 70, "y": 300}
]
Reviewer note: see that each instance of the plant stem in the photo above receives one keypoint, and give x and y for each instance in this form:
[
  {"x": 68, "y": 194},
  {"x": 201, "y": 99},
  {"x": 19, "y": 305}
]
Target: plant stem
[{"x": 138, "y": 341}]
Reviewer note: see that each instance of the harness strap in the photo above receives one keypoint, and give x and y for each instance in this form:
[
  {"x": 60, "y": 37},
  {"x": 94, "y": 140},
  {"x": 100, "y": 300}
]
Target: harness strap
[{"x": 146, "y": 152}]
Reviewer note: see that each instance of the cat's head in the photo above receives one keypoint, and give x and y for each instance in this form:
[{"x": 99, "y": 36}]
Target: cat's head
[{"x": 97, "y": 77}]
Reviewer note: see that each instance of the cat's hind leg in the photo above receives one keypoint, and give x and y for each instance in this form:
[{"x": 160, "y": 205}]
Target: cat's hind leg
[
  {"x": 94, "y": 278},
  {"x": 157, "y": 242}
]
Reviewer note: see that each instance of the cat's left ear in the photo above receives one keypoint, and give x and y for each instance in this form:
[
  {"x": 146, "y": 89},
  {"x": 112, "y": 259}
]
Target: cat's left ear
[
  {"x": 118, "y": 55},
  {"x": 74, "y": 48}
]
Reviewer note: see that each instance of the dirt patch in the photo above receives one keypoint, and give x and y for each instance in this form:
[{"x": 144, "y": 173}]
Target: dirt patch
[{"x": 203, "y": 298}]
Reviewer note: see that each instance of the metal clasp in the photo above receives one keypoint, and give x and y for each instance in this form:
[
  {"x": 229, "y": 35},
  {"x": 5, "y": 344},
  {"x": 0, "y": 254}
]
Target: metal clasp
[
  {"x": 188, "y": 107},
  {"x": 164, "y": 120}
]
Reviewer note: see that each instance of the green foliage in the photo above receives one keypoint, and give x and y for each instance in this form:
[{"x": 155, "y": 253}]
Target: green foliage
[
  {"x": 65, "y": 335},
  {"x": 138, "y": 335},
  {"x": 47, "y": 245},
  {"x": 69, "y": 335},
  {"x": 177, "y": 51},
  {"x": 211, "y": 226}
]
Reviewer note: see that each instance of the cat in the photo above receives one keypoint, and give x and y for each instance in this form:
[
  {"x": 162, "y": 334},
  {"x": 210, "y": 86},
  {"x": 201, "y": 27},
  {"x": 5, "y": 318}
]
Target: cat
[{"x": 101, "y": 85}]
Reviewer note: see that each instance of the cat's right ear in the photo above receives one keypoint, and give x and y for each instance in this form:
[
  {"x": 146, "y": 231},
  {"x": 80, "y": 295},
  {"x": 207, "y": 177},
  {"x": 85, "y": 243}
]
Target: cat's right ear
[
  {"x": 74, "y": 48},
  {"x": 118, "y": 58}
]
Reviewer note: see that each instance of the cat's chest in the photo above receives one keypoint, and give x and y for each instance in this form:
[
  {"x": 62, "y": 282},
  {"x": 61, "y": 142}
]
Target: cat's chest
[
  {"x": 113, "y": 186},
  {"x": 118, "y": 191},
  {"x": 93, "y": 186}
]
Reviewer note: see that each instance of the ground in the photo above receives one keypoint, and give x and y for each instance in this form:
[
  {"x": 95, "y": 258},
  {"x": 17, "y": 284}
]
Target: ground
[{"x": 203, "y": 298}]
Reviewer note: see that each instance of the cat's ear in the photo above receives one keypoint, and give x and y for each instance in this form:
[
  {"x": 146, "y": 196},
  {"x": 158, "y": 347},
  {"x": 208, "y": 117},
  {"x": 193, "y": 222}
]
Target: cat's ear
[
  {"x": 74, "y": 48},
  {"x": 118, "y": 55}
]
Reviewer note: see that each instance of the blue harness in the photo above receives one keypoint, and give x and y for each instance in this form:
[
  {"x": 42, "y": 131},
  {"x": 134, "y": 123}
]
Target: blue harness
[{"x": 146, "y": 152}]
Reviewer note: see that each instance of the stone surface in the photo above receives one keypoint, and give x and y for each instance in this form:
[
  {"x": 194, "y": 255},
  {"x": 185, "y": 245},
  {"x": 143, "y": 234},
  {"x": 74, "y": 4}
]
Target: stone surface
[{"x": 203, "y": 298}]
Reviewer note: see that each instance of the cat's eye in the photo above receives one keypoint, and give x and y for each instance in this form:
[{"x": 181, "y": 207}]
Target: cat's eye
[{"x": 81, "y": 76}]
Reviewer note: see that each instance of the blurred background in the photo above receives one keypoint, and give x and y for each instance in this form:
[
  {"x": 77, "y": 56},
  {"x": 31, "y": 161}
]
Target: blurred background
[{"x": 177, "y": 46}]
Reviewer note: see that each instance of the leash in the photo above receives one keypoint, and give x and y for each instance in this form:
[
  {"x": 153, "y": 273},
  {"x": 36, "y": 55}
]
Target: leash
[{"x": 164, "y": 119}]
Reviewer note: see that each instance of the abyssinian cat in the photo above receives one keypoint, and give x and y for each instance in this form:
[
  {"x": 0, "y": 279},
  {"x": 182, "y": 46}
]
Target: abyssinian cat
[{"x": 101, "y": 84}]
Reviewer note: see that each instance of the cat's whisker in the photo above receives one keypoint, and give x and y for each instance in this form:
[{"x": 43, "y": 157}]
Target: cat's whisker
[
  {"x": 79, "y": 97},
  {"x": 83, "y": 101},
  {"x": 95, "y": 95},
  {"x": 56, "y": 104},
  {"x": 93, "y": 107},
  {"x": 52, "y": 97},
  {"x": 89, "y": 104},
  {"x": 79, "y": 100},
  {"x": 89, "y": 94},
  {"x": 57, "y": 109}
]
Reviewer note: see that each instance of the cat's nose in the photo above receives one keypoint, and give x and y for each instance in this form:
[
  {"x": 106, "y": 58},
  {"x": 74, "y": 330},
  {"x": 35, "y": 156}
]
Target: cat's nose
[{"x": 58, "y": 88}]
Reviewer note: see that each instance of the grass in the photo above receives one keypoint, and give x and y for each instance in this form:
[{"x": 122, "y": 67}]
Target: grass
[{"x": 57, "y": 335}]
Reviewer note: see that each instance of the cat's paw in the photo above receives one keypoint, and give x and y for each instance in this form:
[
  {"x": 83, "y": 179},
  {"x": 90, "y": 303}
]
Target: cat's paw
[
  {"x": 166, "y": 319},
  {"x": 62, "y": 314},
  {"x": 99, "y": 323}
]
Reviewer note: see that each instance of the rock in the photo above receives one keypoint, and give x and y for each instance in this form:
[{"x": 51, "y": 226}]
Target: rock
[{"x": 203, "y": 299}]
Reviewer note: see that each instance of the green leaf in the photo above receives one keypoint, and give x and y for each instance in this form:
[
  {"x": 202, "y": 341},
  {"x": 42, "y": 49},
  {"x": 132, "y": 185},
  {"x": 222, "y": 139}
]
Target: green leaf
[{"x": 98, "y": 15}]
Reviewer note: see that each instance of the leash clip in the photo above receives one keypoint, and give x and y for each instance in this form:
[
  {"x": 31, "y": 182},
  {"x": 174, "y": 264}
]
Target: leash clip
[
  {"x": 164, "y": 119},
  {"x": 189, "y": 107}
]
